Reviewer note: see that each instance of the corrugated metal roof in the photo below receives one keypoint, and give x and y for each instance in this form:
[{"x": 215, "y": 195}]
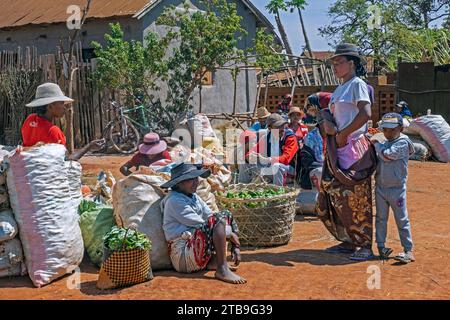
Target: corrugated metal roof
[{"x": 17, "y": 13}]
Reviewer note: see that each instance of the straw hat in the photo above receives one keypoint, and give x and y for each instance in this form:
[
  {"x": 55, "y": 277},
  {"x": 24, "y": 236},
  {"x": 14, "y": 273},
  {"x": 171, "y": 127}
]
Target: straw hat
[
  {"x": 295, "y": 110},
  {"x": 152, "y": 144},
  {"x": 262, "y": 113},
  {"x": 48, "y": 93}
]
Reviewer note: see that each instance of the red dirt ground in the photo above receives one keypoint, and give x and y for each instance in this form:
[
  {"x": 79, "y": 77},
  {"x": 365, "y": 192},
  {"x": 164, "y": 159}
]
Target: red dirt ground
[{"x": 301, "y": 269}]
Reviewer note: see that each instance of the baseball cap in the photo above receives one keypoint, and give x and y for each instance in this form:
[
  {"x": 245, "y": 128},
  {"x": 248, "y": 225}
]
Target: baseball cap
[{"x": 391, "y": 120}]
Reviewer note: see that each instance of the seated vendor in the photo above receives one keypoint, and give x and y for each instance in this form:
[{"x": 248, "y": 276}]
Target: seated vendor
[
  {"x": 50, "y": 104},
  {"x": 312, "y": 154},
  {"x": 152, "y": 150},
  {"x": 273, "y": 156},
  {"x": 403, "y": 109},
  {"x": 196, "y": 236},
  {"x": 262, "y": 114}
]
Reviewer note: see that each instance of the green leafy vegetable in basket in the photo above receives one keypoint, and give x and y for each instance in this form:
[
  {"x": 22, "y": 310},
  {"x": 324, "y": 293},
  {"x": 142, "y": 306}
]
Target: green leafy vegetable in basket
[
  {"x": 86, "y": 206},
  {"x": 119, "y": 239},
  {"x": 253, "y": 194},
  {"x": 267, "y": 192}
]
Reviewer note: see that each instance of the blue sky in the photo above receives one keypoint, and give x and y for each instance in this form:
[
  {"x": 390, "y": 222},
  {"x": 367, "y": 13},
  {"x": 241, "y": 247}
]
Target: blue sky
[{"x": 315, "y": 16}]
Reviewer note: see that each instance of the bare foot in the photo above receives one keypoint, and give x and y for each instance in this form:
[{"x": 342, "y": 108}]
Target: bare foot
[
  {"x": 226, "y": 275},
  {"x": 212, "y": 265}
]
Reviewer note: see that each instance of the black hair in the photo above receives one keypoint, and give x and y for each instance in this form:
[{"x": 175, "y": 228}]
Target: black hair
[
  {"x": 41, "y": 110},
  {"x": 360, "y": 68}
]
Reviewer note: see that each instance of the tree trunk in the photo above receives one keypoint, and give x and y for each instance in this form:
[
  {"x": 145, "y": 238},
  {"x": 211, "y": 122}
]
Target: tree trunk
[
  {"x": 283, "y": 34},
  {"x": 69, "y": 114},
  {"x": 305, "y": 35}
]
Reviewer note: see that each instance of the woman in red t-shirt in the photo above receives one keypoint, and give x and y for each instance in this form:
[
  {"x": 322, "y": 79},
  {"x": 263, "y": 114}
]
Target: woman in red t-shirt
[
  {"x": 151, "y": 152},
  {"x": 50, "y": 104}
]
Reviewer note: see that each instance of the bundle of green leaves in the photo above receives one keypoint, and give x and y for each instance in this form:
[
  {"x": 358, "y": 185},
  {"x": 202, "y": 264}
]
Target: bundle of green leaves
[
  {"x": 268, "y": 192},
  {"x": 122, "y": 239}
]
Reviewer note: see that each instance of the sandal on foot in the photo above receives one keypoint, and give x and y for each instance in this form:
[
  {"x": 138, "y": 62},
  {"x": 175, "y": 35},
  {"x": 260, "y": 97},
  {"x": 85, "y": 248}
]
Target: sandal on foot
[
  {"x": 362, "y": 255},
  {"x": 385, "y": 253}
]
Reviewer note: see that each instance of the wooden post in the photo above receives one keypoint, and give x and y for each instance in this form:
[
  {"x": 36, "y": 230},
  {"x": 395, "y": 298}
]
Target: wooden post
[
  {"x": 200, "y": 98},
  {"x": 267, "y": 91},
  {"x": 258, "y": 91},
  {"x": 235, "y": 75},
  {"x": 296, "y": 79}
]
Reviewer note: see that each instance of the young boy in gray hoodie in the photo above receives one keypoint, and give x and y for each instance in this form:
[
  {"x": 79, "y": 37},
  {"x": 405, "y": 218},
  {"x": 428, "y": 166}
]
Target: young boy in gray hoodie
[{"x": 391, "y": 176}]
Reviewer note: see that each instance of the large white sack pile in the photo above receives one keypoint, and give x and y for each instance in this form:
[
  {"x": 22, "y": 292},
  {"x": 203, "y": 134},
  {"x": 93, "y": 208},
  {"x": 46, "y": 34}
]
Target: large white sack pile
[
  {"x": 45, "y": 195},
  {"x": 435, "y": 131},
  {"x": 12, "y": 262}
]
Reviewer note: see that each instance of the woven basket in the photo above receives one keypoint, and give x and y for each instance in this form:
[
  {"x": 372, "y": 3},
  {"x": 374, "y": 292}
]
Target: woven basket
[{"x": 266, "y": 226}]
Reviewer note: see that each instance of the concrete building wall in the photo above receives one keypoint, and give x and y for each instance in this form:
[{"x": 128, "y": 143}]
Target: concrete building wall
[{"x": 32, "y": 35}]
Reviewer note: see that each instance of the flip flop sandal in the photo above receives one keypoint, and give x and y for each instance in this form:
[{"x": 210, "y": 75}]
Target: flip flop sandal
[
  {"x": 358, "y": 256},
  {"x": 385, "y": 253}
]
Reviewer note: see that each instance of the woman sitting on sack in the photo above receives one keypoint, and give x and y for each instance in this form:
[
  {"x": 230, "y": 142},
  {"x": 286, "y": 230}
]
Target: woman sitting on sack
[{"x": 196, "y": 236}]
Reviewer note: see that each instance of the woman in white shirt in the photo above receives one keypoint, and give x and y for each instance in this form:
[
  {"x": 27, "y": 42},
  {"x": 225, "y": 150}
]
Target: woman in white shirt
[{"x": 345, "y": 206}]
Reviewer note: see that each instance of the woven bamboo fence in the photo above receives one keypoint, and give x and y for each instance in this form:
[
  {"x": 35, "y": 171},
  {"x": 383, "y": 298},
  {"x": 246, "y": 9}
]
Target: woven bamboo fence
[{"x": 24, "y": 70}]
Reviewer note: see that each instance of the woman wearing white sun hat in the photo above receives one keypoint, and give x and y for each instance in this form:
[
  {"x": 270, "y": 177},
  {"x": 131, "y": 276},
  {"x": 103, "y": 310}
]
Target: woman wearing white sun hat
[{"x": 50, "y": 103}]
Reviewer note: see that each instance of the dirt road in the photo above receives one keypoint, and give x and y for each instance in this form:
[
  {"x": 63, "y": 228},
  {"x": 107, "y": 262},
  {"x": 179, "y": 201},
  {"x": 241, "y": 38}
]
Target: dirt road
[{"x": 301, "y": 269}]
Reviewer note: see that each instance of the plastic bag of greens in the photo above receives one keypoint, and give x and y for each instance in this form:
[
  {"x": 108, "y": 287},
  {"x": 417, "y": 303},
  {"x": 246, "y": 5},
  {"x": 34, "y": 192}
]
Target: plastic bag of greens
[{"x": 95, "y": 222}]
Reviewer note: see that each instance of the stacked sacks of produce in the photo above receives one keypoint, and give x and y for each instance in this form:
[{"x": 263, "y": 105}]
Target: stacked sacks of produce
[
  {"x": 136, "y": 201},
  {"x": 45, "y": 194},
  {"x": 11, "y": 257},
  {"x": 435, "y": 131}
]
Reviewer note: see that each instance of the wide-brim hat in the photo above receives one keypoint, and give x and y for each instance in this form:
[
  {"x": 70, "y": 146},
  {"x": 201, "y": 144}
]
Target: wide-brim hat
[
  {"x": 185, "y": 171},
  {"x": 294, "y": 110},
  {"x": 262, "y": 113},
  {"x": 348, "y": 49},
  {"x": 152, "y": 144},
  {"x": 276, "y": 120},
  {"x": 48, "y": 93}
]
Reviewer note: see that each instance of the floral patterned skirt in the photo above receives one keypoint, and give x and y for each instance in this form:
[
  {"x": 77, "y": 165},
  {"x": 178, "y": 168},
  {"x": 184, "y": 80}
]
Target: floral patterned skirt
[{"x": 346, "y": 210}]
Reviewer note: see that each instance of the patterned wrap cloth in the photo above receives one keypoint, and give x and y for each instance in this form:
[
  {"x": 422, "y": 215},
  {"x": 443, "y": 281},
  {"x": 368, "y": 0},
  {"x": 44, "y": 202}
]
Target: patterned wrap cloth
[{"x": 192, "y": 251}]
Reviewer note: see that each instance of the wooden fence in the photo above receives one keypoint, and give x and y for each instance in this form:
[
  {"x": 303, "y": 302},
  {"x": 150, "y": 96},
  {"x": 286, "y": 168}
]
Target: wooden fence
[
  {"x": 425, "y": 86},
  {"x": 90, "y": 106}
]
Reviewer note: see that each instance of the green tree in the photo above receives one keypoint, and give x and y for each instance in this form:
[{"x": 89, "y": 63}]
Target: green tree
[
  {"x": 206, "y": 40},
  {"x": 274, "y": 7},
  {"x": 130, "y": 67},
  {"x": 396, "y": 38},
  {"x": 349, "y": 23},
  {"x": 419, "y": 14}
]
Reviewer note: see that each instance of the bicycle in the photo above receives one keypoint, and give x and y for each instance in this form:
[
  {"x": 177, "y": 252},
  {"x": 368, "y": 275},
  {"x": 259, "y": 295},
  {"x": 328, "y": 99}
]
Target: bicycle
[{"x": 123, "y": 132}]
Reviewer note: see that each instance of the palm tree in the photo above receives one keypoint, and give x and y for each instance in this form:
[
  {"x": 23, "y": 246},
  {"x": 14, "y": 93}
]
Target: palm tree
[
  {"x": 300, "y": 5},
  {"x": 274, "y": 7}
]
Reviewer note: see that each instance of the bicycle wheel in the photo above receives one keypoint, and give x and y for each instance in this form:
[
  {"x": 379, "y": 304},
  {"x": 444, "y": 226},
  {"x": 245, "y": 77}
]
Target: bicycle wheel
[{"x": 125, "y": 144}]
